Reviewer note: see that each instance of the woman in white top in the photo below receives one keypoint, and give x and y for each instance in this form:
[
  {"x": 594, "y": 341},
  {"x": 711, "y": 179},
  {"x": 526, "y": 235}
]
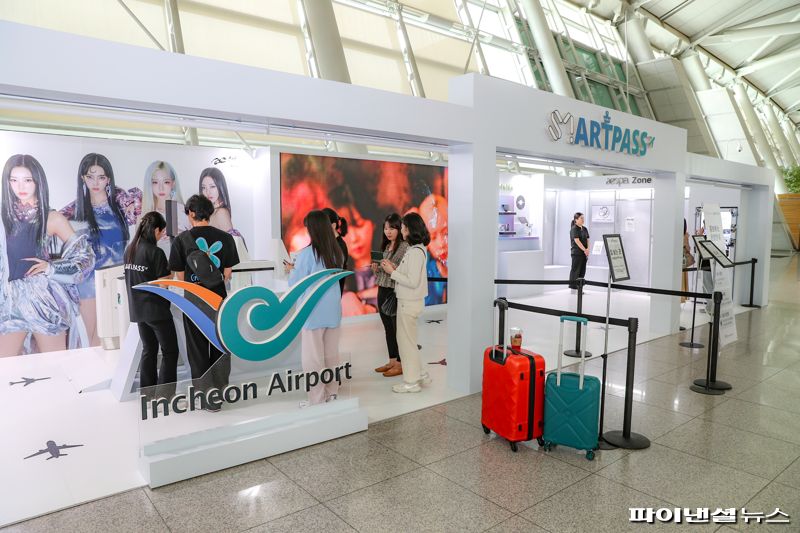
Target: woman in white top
[{"x": 411, "y": 287}]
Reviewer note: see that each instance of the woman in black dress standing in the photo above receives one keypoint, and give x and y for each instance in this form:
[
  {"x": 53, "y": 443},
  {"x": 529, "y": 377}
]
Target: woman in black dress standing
[{"x": 579, "y": 243}]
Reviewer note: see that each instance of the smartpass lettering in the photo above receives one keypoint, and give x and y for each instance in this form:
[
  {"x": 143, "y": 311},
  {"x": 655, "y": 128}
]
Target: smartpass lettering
[{"x": 603, "y": 136}]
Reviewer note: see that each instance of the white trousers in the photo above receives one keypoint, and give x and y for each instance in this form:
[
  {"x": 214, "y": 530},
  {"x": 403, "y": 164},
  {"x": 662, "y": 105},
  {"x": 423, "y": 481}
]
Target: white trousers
[
  {"x": 408, "y": 312},
  {"x": 321, "y": 350}
]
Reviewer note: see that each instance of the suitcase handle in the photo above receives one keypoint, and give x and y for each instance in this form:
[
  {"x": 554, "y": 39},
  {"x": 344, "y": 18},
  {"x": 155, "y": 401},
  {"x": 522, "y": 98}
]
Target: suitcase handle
[
  {"x": 502, "y": 305},
  {"x": 579, "y": 321}
]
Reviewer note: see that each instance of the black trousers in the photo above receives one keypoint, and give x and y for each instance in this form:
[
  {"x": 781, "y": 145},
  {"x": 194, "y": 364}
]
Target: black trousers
[
  {"x": 211, "y": 368},
  {"x": 389, "y": 323},
  {"x": 154, "y": 334},
  {"x": 578, "y": 269}
]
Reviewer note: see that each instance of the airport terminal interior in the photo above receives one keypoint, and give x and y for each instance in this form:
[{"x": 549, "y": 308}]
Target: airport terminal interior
[{"x": 399, "y": 265}]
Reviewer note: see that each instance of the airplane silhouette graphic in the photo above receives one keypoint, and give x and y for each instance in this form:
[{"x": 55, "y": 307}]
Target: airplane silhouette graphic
[
  {"x": 54, "y": 450},
  {"x": 26, "y": 381},
  {"x": 439, "y": 321}
]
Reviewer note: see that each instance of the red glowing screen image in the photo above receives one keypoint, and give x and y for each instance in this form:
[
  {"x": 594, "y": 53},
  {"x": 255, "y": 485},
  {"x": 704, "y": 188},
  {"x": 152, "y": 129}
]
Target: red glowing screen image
[{"x": 364, "y": 192}]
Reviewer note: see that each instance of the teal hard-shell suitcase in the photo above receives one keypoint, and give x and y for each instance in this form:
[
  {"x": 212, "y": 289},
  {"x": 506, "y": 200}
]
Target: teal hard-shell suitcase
[{"x": 572, "y": 403}]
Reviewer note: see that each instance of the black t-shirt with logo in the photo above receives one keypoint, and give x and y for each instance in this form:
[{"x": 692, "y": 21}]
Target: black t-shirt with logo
[
  {"x": 217, "y": 243},
  {"x": 149, "y": 263},
  {"x": 581, "y": 233}
]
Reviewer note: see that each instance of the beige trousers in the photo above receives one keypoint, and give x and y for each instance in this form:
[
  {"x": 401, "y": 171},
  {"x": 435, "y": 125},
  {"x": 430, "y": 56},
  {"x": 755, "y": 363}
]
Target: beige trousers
[
  {"x": 321, "y": 350},
  {"x": 408, "y": 312}
]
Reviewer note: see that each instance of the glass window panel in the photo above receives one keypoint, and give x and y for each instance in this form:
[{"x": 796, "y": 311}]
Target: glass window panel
[
  {"x": 491, "y": 21},
  {"x": 84, "y": 18},
  {"x": 233, "y": 39},
  {"x": 283, "y": 11},
  {"x": 601, "y": 94},
  {"x": 633, "y": 105},
  {"x": 359, "y": 26},
  {"x": 588, "y": 59},
  {"x": 579, "y": 88},
  {"x": 620, "y": 70},
  {"x": 501, "y": 63},
  {"x": 442, "y": 8},
  {"x": 580, "y": 34},
  {"x": 377, "y": 68},
  {"x": 438, "y": 48}
]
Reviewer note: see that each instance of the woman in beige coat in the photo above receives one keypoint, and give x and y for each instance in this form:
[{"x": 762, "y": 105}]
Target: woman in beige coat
[{"x": 411, "y": 287}]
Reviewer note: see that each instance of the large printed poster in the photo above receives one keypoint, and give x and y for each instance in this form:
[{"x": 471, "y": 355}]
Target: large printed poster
[
  {"x": 364, "y": 192},
  {"x": 70, "y": 205}
]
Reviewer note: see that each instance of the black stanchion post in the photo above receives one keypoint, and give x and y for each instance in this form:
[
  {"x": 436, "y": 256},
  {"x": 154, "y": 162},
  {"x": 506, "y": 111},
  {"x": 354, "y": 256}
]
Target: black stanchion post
[
  {"x": 625, "y": 438},
  {"x": 601, "y": 442},
  {"x": 710, "y": 385},
  {"x": 577, "y": 351},
  {"x": 753, "y": 262},
  {"x": 691, "y": 343}
]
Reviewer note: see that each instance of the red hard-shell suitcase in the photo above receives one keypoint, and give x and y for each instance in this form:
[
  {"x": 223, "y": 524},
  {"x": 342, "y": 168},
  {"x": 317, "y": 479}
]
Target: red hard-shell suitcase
[{"x": 513, "y": 390}]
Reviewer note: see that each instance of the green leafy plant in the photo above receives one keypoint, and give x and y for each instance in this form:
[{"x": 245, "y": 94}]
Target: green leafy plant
[{"x": 792, "y": 177}]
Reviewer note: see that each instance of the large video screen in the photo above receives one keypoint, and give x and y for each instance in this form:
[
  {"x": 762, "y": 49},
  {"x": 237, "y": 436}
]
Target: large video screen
[
  {"x": 71, "y": 205},
  {"x": 364, "y": 193}
]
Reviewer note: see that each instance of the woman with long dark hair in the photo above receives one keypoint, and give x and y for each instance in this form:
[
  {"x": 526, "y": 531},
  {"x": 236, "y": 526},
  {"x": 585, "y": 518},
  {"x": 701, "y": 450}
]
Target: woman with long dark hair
[
  {"x": 320, "y": 336},
  {"x": 411, "y": 287},
  {"x": 106, "y": 211},
  {"x": 41, "y": 274},
  {"x": 579, "y": 249},
  {"x": 394, "y": 248},
  {"x": 339, "y": 226},
  {"x": 214, "y": 187},
  {"x": 145, "y": 261}
]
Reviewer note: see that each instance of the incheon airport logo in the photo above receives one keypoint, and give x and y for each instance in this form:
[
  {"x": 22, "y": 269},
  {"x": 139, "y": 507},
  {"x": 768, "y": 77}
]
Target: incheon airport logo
[
  {"x": 252, "y": 323},
  {"x": 601, "y": 135}
]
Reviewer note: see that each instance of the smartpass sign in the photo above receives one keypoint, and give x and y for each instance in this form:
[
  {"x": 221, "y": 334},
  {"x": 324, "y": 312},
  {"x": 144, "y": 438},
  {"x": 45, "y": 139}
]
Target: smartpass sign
[{"x": 600, "y": 135}]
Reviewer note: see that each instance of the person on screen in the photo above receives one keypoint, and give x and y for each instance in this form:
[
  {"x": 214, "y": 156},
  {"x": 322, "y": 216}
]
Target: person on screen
[
  {"x": 321, "y": 332},
  {"x": 433, "y": 211},
  {"x": 41, "y": 274},
  {"x": 579, "y": 249},
  {"x": 145, "y": 261},
  {"x": 339, "y": 227},
  {"x": 103, "y": 212},
  {"x": 204, "y": 357},
  {"x": 394, "y": 248},
  {"x": 161, "y": 184},
  {"x": 361, "y": 293},
  {"x": 411, "y": 287},
  {"x": 214, "y": 187}
]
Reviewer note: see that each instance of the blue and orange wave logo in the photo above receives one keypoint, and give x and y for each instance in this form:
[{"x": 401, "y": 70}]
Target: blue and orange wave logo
[{"x": 260, "y": 309}]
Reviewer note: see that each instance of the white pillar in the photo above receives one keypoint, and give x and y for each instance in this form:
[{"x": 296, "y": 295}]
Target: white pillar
[
  {"x": 754, "y": 239},
  {"x": 790, "y": 133},
  {"x": 666, "y": 262},
  {"x": 472, "y": 257},
  {"x": 777, "y": 135},
  {"x": 327, "y": 42},
  {"x": 757, "y": 133},
  {"x": 695, "y": 71},
  {"x": 638, "y": 44},
  {"x": 543, "y": 37}
]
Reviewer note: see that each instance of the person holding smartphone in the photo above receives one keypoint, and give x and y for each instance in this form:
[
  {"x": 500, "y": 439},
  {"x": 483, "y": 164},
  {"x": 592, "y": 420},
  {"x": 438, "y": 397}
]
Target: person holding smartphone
[{"x": 394, "y": 248}]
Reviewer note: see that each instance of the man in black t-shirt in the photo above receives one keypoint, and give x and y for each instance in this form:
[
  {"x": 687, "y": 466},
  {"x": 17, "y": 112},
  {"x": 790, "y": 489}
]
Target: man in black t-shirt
[{"x": 202, "y": 355}]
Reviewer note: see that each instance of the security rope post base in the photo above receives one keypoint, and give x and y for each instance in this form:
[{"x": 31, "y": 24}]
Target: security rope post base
[
  {"x": 577, "y": 351},
  {"x": 710, "y": 386},
  {"x": 753, "y": 262},
  {"x": 626, "y": 439}
]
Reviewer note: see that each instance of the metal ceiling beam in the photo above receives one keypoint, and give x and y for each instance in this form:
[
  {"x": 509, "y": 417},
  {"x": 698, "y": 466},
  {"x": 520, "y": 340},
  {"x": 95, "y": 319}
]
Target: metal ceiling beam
[
  {"x": 175, "y": 36},
  {"x": 759, "y": 53},
  {"x": 675, "y": 10},
  {"x": 769, "y": 61},
  {"x": 784, "y": 84},
  {"x": 771, "y": 31},
  {"x": 722, "y": 23},
  {"x": 141, "y": 24},
  {"x": 766, "y": 18}
]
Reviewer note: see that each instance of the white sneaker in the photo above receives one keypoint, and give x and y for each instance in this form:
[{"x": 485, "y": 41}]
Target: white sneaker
[
  {"x": 424, "y": 379},
  {"x": 303, "y": 404},
  {"x": 406, "y": 387},
  {"x": 331, "y": 398}
]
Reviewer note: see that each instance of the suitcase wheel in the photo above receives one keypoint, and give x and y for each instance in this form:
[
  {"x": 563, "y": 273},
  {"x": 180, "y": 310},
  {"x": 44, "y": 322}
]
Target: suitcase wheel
[
  {"x": 513, "y": 446},
  {"x": 540, "y": 442},
  {"x": 547, "y": 446},
  {"x": 590, "y": 455},
  {"x": 485, "y": 429}
]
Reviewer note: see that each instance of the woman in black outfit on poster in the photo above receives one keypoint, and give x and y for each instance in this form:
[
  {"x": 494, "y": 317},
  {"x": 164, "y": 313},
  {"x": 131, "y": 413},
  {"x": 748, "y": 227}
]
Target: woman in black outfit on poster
[
  {"x": 145, "y": 261},
  {"x": 339, "y": 226},
  {"x": 579, "y": 242},
  {"x": 394, "y": 248}
]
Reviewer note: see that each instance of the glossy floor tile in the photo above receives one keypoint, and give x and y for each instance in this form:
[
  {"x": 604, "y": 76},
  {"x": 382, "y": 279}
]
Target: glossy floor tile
[
  {"x": 467, "y": 410},
  {"x": 791, "y": 475},
  {"x": 512, "y": 480},
  {"x": 775, "y": 496},
  {"x": 760, "y": 419},
  {"x": 326, "y": 470},
  {"x": 516, "y": 524},
  {"x": 418, "y": 501},
  {"x": 318, "y": 518},
  {"x": 672, "y": 397}
]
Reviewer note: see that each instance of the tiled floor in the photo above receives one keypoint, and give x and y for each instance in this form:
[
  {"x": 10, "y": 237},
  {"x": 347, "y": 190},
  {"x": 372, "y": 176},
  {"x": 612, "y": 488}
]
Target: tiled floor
[{"x": 435, "y": 470}]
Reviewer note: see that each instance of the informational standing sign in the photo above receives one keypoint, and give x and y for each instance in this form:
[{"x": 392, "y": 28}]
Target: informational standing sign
[
  {"x": 723, "y": 279},
  {"x": 705, "y": 255},
  {"x": 713, "y": 252},
  {"x": 617, "y": 263}
]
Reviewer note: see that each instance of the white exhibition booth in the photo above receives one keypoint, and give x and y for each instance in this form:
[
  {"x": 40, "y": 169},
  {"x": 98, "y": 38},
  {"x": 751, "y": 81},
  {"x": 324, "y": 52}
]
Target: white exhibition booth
[{"x": 484, "y": 118}]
